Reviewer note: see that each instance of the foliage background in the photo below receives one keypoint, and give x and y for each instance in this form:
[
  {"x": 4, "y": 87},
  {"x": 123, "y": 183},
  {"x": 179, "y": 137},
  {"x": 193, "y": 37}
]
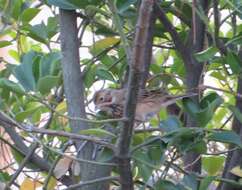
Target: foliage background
[{"x": 205, "y": 50}]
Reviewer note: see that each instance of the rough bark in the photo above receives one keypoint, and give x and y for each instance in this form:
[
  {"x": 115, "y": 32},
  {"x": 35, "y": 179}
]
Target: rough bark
[
  {"x": 148, "y": 51},
  {"x": 193, "y": 74},
  {"x": 74, "y": 92},
  {"x": 137, "y": 67},
  {"x": 193, "y": 68}
]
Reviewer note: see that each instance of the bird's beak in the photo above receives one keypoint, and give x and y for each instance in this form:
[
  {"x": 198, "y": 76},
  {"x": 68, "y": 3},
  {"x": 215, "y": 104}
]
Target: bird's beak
[{"x": 96, "y": 108}]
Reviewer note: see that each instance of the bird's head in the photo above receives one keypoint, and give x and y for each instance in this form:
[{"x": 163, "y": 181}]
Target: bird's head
[{"x": 102, "y": 96}]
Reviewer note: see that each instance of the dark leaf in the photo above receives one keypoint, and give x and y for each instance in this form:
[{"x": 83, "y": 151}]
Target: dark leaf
[
  {"x": 206, "y": 182},
  {"x": 166, "y": 185},
  {"x": 170, "y": 124},
  {"x": 24, "y": 72},
  {"x": 104, "y": 74},
  {"x": 225, "y": 137},
  {"x": 6, "y": 84},
  {"x": 234, "y": 62},
  {"x": 190, "y": 181}
]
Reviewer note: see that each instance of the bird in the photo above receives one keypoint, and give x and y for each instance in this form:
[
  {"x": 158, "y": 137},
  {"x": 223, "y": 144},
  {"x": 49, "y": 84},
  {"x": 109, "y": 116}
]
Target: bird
[{"x": 149, "y": 102}]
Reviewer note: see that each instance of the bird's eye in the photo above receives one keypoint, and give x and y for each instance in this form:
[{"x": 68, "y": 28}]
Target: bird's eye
[{"x": 101, "y": 99}]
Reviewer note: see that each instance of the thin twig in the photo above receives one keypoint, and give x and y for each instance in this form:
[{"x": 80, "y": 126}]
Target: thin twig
[
  {"x": 47, "y": 179},
  {"x": 99, "y": 180},
  {"x": 33, "y": 129},
  {"x": 22, "y": 165},
  {"x": 71, "y": 135}
]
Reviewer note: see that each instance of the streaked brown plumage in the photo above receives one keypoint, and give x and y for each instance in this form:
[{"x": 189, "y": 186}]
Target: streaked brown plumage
[{"x": 149, "y": 102}]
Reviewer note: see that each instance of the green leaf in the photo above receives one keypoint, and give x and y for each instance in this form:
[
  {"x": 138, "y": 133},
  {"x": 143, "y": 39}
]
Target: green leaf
[
  {"x": 143, "y": 164},
  {"x": 199, "y": 147},
  {"x": 218, "y": 75},
  {"x": 104, "y": 74},
  {"x": 45, "y": 84},
  {"x": 236, "y": 112},
  {"x": 4, "y": 43},
  {"x": 190, "y": 106},
  {"x": 14, "y": 54},
  {"x": 208, "y": 106},
  {"x": 89, "y": 75},
  {"x": 170, "y": 124},
  {"x": 104, "y": 30},
  {"x": 166, "y": 185},
  {"x": 20, "y": 117},
  {"x": 237, "y": 40},
  {"x": 52, "y": 27},
  {"x": 6, "y": 84},
  {"x": 234, "y": 62},
  {"x": 63, "y": 4},
  {"x": 186, "y": 140},
  {"x": 97, "y": 132},
  {"x": 49, "y": 64},
  {"x": 38, "y": 32},
  {"x": 24, "y": 72},
  {"x": 15, "y": 8},
  {"x": 73, "y": 4},
  {"x": 225, "y": 137},
  {"x": 4, "y": 177},
  {"x": 84, "y": 3},
  {"x": 29, "y": 14},
  {"x": 205, "y": 182},
  {"x": 203, "y": 112},
  {"x": 213, "y": 164},
  {"x": 206, "y": 55},
  {"x": 190, "y": 181},
  {"x": 124, "y": 5},
  {"x": 103, "y": 44}
]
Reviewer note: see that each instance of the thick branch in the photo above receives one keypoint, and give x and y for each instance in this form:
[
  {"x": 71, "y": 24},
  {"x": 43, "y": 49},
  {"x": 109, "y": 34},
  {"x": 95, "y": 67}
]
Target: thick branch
[
  {"x": 73, "y": 84},
  {"x": 74, "y": 91},
  {"x": 172, "y": 31},
  {"x": 149, "y": 46},
  {"x": 72, "y": 136},
  {"x": 136, "y": 70}
]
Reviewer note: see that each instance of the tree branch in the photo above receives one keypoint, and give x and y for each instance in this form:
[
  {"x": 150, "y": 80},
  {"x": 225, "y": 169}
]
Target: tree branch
[
  {"x": 22, "y": 165},
  {"x": 103, "y": 179},
  {"x": 20, "y": 145},
  {"x": 136, "y": 70},
  {"x": 172, "y": 31},
  {"x": 74, "y": 91},
  {"x": 32, "y": 129}
]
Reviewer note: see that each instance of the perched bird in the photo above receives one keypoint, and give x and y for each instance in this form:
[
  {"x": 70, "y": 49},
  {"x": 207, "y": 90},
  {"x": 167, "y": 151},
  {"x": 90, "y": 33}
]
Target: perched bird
[{"x": 149, "y": 102}]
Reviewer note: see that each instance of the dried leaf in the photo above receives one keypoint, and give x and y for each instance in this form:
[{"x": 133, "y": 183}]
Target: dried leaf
[
  {"x": 62, "y": 167},
  {"x": 30, "y": 184},
  {"x": 236, "y": 171}
]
